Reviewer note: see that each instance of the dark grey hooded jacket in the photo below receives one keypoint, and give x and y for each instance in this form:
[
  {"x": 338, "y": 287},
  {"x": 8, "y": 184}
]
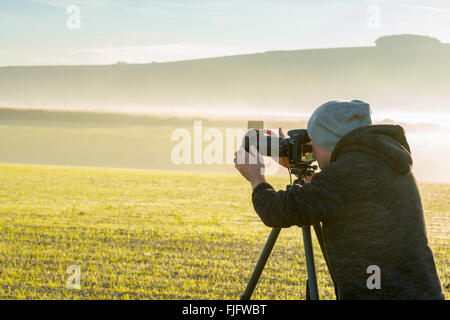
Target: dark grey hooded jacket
[{"x": 371, "y": 212}]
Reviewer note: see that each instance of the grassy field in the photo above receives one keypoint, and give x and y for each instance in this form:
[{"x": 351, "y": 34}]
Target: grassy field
[{"x": 138, "y": 234}]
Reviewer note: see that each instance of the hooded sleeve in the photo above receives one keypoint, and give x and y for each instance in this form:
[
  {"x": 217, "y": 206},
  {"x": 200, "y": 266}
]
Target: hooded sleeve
[{"x": 299, "y": 205}]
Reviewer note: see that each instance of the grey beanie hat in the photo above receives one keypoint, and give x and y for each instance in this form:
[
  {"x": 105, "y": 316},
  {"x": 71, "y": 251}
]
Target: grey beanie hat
[{"x": 334, "y": 119}]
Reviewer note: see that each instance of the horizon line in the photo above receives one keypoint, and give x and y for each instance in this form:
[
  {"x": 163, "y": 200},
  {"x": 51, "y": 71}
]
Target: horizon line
[{"x": 118, "y": 63}]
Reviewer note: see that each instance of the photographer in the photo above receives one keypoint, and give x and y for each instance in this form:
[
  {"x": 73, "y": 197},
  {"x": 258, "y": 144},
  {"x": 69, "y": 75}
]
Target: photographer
[{"x": 367, "y": 199}]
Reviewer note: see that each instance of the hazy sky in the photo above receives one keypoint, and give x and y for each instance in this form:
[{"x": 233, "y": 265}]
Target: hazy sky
[{"x": 41, "y": 32}]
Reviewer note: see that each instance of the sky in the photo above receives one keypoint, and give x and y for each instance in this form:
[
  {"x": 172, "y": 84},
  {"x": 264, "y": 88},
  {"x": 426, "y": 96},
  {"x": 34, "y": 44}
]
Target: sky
[{"x": 70, "y": 32}]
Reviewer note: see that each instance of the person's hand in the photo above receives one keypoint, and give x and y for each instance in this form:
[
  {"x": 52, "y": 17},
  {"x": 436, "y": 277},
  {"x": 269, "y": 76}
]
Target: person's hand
[
  {"x": 284, "y": 161},
  {"x": 251, "y": 166}
]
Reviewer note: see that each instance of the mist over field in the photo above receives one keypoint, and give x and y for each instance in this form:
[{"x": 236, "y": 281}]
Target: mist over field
[
  {"x": 406, "y": 79},
  {"x": 145, "y": 142}
]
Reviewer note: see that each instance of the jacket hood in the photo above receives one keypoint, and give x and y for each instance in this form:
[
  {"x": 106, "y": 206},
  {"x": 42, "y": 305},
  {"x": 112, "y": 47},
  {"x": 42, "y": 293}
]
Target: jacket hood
[{"x": 386, "y": 142}]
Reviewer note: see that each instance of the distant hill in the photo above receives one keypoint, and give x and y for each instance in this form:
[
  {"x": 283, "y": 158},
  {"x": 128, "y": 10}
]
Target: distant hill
[
  {"x": 89, "y": 119},
  {"x": 406, "y": 72},
  {"x": 407, "y": 40}
]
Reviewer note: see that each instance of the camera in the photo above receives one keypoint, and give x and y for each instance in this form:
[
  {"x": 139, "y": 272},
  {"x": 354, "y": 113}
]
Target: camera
[{"x": 297, "y": 148}]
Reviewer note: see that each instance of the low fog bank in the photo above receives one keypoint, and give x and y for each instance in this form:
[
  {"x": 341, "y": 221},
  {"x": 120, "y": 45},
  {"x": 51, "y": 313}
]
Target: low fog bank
[
  {"x": 145, "y": 141},
  {"x": 431, "y": 156},
  {"x": 430, "y": 145}
]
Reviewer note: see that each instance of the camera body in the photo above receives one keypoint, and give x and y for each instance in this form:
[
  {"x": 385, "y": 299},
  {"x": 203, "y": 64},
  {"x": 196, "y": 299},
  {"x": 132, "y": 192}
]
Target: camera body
[{"x": 296, "y": 148}]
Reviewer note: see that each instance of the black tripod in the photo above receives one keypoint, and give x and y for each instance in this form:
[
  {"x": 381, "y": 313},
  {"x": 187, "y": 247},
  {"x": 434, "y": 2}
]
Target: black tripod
[{"x": 301, "y": 171}]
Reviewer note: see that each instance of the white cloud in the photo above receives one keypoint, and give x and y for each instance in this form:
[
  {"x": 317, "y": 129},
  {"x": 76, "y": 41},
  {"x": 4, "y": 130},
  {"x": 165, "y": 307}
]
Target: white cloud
[
  {"x": 65, "y": 3},
  {"x": 50, "y": 3},
  {"x": 427, "y": 8}
]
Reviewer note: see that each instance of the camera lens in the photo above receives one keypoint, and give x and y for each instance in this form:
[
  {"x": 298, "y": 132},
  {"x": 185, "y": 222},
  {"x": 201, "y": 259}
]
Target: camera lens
[{"x": 269, "y": 146}]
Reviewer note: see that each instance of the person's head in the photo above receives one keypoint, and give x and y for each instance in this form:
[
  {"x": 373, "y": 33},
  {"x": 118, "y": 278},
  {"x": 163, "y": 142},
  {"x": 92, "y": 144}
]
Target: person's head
[{"x": 331, "y": 121}]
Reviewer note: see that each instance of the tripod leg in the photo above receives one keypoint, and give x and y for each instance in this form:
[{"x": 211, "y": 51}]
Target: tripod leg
[
  {"x": 307, "y": 290},
  {"x": 310, "y": 266},
  {"x": 319, "y": 235},
  {"x": 261, "y": 263}
]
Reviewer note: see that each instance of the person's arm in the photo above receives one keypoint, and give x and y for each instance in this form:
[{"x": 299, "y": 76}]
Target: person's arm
[
  {"x": 257, "y": 181},
  {"x": 299, "y": 205}
]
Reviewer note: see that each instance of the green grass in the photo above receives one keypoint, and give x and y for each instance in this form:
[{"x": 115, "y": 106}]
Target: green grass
[{"x": 138, "y": 234}]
